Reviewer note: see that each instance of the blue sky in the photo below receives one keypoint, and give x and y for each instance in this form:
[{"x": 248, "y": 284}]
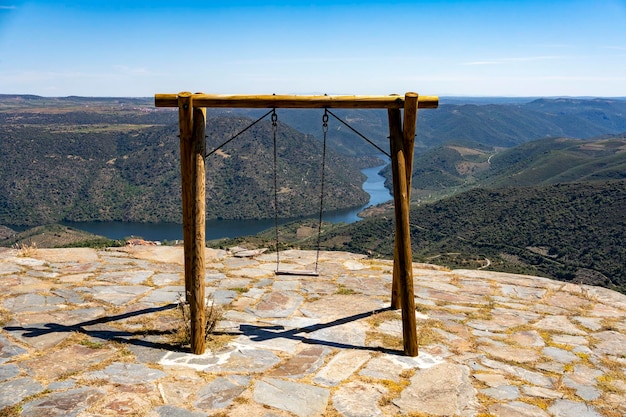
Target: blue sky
[{"x": 436, "y": 47}]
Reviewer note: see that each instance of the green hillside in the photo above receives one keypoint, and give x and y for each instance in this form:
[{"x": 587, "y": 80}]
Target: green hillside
[
  {"x": 114, "y": 159},
  {"x": 551, "y": 161},
  {"x": 455, "y": 167},
  {"x": 571, "y": 232}
]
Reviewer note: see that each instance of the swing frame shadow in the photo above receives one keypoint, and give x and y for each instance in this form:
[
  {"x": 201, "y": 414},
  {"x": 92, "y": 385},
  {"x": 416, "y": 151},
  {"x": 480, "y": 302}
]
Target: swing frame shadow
[{"x": 256, "y": 333}]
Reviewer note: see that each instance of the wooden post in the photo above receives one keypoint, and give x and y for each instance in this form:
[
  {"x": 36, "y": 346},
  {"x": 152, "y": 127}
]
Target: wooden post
[
  {"x": 403, "y": 257},
  {"x": 185, "y": 122},
  {"x": 409, "y": 125},
  {"x": 192, "y": 144}
]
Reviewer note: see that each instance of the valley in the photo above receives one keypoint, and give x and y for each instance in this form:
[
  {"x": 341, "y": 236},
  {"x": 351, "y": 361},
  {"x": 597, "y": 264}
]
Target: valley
[{"x": 535, "y": 187}]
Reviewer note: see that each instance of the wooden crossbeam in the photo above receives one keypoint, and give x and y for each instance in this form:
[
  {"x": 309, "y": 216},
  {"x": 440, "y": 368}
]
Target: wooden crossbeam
[{"x": 295, "y": 101}]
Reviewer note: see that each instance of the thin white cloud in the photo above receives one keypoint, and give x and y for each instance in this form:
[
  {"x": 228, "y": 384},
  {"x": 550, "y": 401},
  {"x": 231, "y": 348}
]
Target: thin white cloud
[
  {"x": 553, "y": 45},
  {"x": 500, "y": 61},
  {"x": 8, "y": 7},
  {"x": 484, "y": 63},
  {"x": 131, "y": 71}
]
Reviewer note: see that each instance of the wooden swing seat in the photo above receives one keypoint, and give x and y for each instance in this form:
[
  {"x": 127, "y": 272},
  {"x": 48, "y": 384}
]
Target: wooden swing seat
[{"x": 308, "y": 273}]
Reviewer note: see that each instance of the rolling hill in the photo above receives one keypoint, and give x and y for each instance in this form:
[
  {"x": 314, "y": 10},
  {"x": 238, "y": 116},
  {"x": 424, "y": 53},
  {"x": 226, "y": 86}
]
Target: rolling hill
[
  {"x": 571, "y": 232},
  {"x": 455, "y": 167},
  {"x": 116, "y": 159}
]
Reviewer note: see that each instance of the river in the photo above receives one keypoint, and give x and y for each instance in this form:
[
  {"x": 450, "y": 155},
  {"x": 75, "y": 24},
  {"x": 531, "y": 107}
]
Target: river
[{"x": 374, "y": 185}]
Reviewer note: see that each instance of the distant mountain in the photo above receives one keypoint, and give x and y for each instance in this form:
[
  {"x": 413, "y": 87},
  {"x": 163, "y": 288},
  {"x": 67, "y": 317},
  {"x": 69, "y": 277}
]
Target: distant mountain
[
  {"x": 76, "y": 159},
  {"x": 494, "y": 123}
]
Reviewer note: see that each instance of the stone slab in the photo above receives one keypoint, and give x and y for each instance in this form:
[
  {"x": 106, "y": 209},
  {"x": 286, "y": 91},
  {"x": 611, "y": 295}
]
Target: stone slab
[
  {"x": 15, "y": 390},
  {"x": 66, "y": 403},
  {"x": 356, "y": 399},
  {"x": 221, "y": 392},
  {"x": 444, "y": 389},
  {"x": 341, "y": 366},
  {"x": 300, "y": 399}
]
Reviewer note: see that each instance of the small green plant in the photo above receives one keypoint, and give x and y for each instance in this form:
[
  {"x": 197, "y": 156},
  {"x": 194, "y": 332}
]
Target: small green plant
[
  {"x": 343, "y": 290},
  {"x": 91, "y": 344}
]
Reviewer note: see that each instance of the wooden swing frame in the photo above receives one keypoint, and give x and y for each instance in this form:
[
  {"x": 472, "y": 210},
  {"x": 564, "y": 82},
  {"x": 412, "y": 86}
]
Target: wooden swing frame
[{"x": 192, "y": 125}]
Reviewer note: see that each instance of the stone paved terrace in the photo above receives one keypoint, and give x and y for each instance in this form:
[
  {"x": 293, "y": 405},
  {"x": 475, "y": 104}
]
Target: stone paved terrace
[{"x": 88, "y": 333}]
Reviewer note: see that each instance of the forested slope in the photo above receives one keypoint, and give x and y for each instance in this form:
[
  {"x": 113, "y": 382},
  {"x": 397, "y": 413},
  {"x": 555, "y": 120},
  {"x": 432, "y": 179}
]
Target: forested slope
[{"x": 571, "y": 232}]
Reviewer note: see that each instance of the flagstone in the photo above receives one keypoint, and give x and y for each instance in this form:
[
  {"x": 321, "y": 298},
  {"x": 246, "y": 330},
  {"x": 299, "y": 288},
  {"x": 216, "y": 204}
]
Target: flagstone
[
  {"x": 528, "y": 338},
  {"x": 383, "y": 367},
  {"x": 66, "y": 403},
  {"x": 165, "y": 295},
  {"x": 340, "y": 367},
  {"x": 510, "y": 353},
  {"x": 517, "y": 409},
  {"x": 558, "y": 324},
  {"x": 559, "y": 355},
  {"x": 166, "y": 278},
  {"x": 15, "y": 390},
  {"x": 610, "y": 343},
  {"x": 8, "y": 268},
  {"x": 171, "y": 411},
  {"x": 356, "y": 399},
  {"x": 63, "y": 362},
  {"x": 444, "y": 389},
  {"x": 277, "y": 304},
  {"x": 9, "y": 349},
  {"x": 116, "y": 294},
  {"x": 246, "y": 360},
  {"x": 126, "y": 373},
  {"x": 221, "y": 392},
  {"x": 8, "y": 371},
  {"x": 583, "y": 380},
  {"x": 33, "y": 302},
  {"x": 502, "y": 392},
  {"x": 307, "y": 361},
  {"x": 300, "y": 399},
  {"x": 568, "y": 408},
  {"x": 352, "y": 336},
  {"x": 126, "y": 277}
]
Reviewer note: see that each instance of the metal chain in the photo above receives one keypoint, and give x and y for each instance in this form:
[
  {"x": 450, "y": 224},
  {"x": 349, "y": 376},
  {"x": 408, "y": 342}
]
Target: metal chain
[
  {"x": 275, "y": 129},
  {"x": 237, "y": 135},
  {"x": 360, "y": 134},
  {"x": 319, "y": 228}
]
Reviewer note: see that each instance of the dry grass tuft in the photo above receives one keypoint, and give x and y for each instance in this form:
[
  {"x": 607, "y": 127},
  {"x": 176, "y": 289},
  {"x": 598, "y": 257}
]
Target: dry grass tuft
[
  {"x": 425, "y": 333},
  {"x": 536, "y": 401},
  {"x": 5, "y": 317},
  {"x": 377, "y": 319},
  {"x": 384, "y": 340},
  {"x": 26, "y": 250},
  {"x": 394, "y": 389},
  {"x": 11, "y": 411},
  {"x": 212, "y": 315}
]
